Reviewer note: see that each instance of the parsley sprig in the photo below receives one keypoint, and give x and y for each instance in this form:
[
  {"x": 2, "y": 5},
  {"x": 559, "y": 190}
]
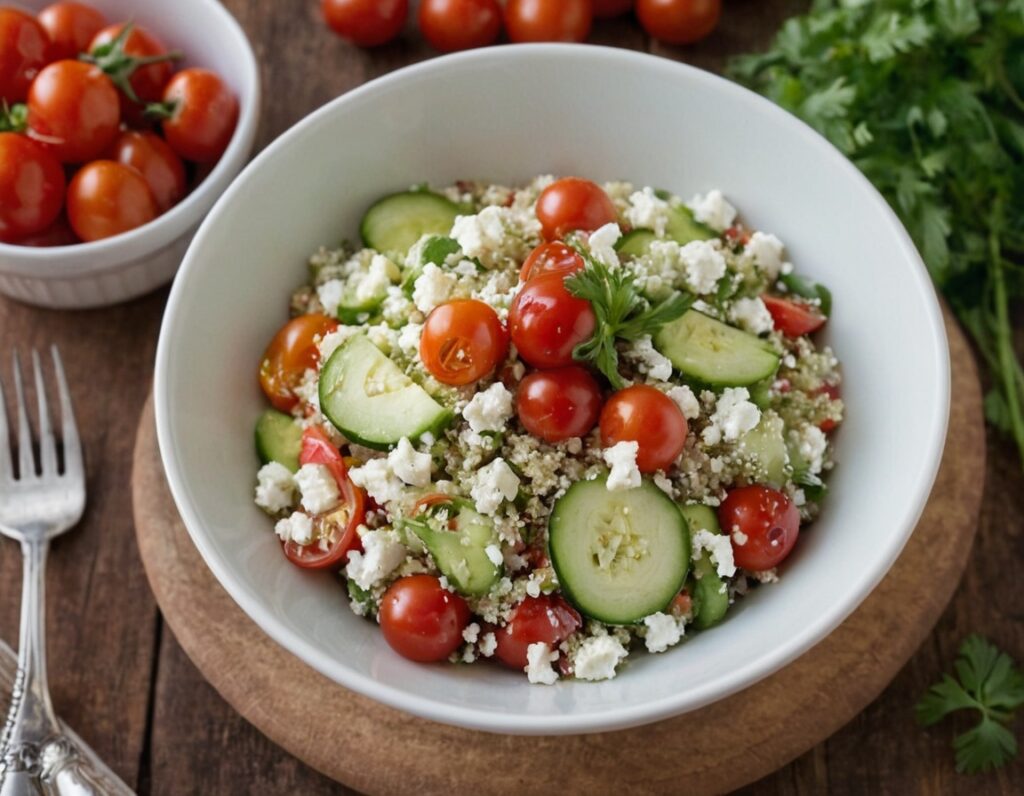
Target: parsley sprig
[
  {"x": 621, "y": 311},
  {"x": 988, "y": 682}
]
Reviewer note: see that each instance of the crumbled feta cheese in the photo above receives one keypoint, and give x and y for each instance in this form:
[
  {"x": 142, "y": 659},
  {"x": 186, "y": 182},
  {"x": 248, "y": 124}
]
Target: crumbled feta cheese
[
  {"x": 712, "y": 209},
  {"x": 488, "y": 644},
  {"x": 719, "y": 547},
  {"x": 331, "y": 294},
  {"x": 318, "y": 487},
  {"x": 602, "y": 244},
  {"x": 409, "y": 338},
  {"x": 482, "y": 234},
  {"x": 649, "y": 360},
  {"x": 765, "y": 251},
  {"x": 432, "y": 287},
  {"x": 378, "y": 279},
  {"x": 704, "y": 265},
  {"x": 597, "y": 657},
  {"x": 297, "y": 528},
  {"x": 493, "y": 484},
  {"x": 751, "y": 314},
  {"x": 332, "y": 341},
  {"x": 621, "y": 458},
  {"x": 686, "y": 401},
  {"x": 490, "y": 409},
  {"x": 382, "y": 552},
  {"x": 471, "y": 633},
  {"x": 665, "y": 484},
  {"x": 539, "y": 657},
  {"x": 410, "y": 465},
  {"x": 493, "y": 552},
  {"x": 734, "y": 416},
  {"x": 648, "y": 211},
  {"x": 813, "y": 444},
  {"x": 275, "y": 487},
  {"x": 379, "y": 480},
  {"x": 396, "y": 306},
  {"x": 663, "y": 631}
]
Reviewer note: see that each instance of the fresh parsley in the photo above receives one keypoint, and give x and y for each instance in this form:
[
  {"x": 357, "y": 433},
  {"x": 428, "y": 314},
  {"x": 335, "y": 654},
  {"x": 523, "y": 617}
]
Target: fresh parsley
[
  {"x": 621, "y": 311},
  {"x": 988, "y": 682},
  {"x": 926, "y": 97}
]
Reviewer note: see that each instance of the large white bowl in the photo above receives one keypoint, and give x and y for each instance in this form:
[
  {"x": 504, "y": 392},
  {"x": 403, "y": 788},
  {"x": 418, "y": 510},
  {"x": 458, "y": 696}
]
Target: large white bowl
[
  {"x": 506, "y": 114},
  {"x": 125, "y": 266}
]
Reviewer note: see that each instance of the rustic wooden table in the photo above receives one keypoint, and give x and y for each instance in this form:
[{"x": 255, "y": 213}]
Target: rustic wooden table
[{"x": 123, "y": 682}]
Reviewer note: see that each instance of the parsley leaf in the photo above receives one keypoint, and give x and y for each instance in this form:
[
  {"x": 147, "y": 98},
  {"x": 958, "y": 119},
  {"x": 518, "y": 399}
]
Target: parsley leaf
[{"x": 986, "y": 681}]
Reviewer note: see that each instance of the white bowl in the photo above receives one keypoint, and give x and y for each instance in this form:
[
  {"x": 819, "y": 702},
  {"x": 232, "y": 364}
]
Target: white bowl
[
  {"x": 123, "y": 267},
  {"x": 507, "y": 114}
]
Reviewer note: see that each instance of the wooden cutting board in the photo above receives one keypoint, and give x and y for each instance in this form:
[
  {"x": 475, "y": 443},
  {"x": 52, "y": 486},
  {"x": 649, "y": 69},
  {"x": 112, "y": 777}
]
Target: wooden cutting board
[{"x": 378, "y": 750}]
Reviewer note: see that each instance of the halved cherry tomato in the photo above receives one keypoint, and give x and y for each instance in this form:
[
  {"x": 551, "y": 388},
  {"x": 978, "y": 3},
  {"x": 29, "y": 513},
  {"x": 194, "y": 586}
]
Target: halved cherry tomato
[
  {"x": 558, "y": 404},
  {"x": 31, "y": 187},
  {"x": 547, "y": 20},
  {"x": 200, "y": 115},
  {"x": 24, "y": 51},
  {"x": 833, "y": 392},
  {"x": 421, "y": 620},
  {"x": 769, "y": 524},
  {"x": 793, "y": 318},
  {"x": 73, "y": 108},
  {"x": 365, "y": 23},
  {"x": 149, "y": 78},
  {"x": 451, "y": 25},
  {"x": 70, "y": 26},
  {"x": 551, "y": 258},
  {"x": 290, "y": 354},
  {"x": 106, "y": 199},
  {"x": 158, "y": 164},
  {"x": 604, "y": 9},
  {"x": 679, "y": 21},
  {"x": 547, "y": 619},
  {"x": 462, "y": 341},
  {"x": 573, "y": 204},
  {"x": 547, "y": 322},
  {"x": 645, "y": 415}
]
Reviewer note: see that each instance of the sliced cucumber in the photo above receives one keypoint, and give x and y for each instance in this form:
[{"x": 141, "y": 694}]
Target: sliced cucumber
[
  {"x": 461, "y": 555},
  {"x": 619, "y": 556},
  {"x": 279, "y": 439},
  {"x": 682, "y": 227},
  {"x": 714, "y": 353},
  {"x": 635, "y": 243},
  {"x": 709, "y": 594},
  {"x": 353, "y": 312},
  {"x": 371, "y": 401},
  {"x": 764, "y": 449},
  {"x": 396, "y": 222}
]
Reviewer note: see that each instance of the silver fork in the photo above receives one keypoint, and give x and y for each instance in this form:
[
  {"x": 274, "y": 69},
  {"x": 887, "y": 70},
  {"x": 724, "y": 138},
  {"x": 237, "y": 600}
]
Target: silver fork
[{"x": 39, "y": 503}]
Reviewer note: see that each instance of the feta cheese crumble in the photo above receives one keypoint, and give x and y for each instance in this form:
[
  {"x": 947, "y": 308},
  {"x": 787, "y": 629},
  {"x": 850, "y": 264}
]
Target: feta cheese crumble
[
  {"x": 318, "y": 488},
  {"x": 432, "y": 287},
  {"x": 539, "y": 657},
  {"x": 712, "y": 209},
  {"x": 379, "y": 481},
  {"x": 765, "y": 251},
  {"x": 275, "y": 488},
  {"x": 663, "y": 631},
  {"x": 704, "y": 265},
  {"x": 647, "y": 211},
  {"x": 621, "y": 458},
  {"x": 649, "y": 360},
  {"x": 719, "y": 547},
  {"x": 602, "y": 244},
  {"x": 382, "y": 552},
  {"x": 686, "y": 401},
  {"x": 482, "y": 234},
  {"x": 492, "y": 485},
  {"x": 297, "y": 528},
  {"x": 813, "y": 444},
  {"x": 734, "y": 416},
  {"x": 490, "y": 409},
  {"x": 410, "y": 465},
  {"x": 751, "y": 314},
  {"x": 597, "y": 658}
]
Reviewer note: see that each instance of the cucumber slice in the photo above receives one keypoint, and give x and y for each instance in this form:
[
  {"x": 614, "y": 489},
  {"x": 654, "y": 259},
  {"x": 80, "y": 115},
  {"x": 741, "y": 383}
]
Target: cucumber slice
[
  {"x": 461, "y": 554},
  {"x": 682, "y": 227},
  {"x": 352, "y": 312},
  {"x": 371, "y": 401},
  {"x": 279, "y": 439},
  {"x": 619, "y": 556},
  {"x": 396, "y": 222},
  {"x": 709, "y": 595},
  {"x": 714, "y": 353},
  {"x": 764, "y": 449},
  {"x": 635, "y": 243}
]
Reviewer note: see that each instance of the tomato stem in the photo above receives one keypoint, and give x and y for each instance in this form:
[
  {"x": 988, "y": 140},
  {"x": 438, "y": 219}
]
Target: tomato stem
[
  {"x": 13, "y": 118},
  {"x": 119, "y": 66}
]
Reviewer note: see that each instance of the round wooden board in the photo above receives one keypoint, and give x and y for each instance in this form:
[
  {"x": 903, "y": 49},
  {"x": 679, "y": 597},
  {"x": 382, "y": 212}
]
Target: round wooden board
[{"x": 378, "y": 750}]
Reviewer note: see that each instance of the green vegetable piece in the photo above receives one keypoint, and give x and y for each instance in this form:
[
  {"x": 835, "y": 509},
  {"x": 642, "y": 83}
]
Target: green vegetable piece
[
  {"x": 709, "y": 593},
  {"x": 809, "y": 289},
  {"x": 279, "y": 439},
  {"x": 461, "y": 555}
]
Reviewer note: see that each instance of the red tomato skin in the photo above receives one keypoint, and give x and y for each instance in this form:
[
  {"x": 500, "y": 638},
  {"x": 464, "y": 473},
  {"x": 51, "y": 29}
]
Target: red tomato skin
[
  {"x": 71, "y": 27},
  {"x": 421, "y": 620},
  {"x": 59, "y": 233},
  {"x": 559, "y": 404},
  {"x": 31, "y": 188},
  {"x": 545, "y": 20},
  {"x": 462, "y": 341},
  {"x": 573, "y": 204},
  {"x": 24, "y": 50},
  {"x": 768, "y": 519},
  {"x": 645, "y": 415},
  {"x": 289, "y": 355},
  {"x": 73, "y": 109},
  {"x": 451, "y": 25},
  {"x": 551, "y": 258},
  {"x": 679, "y": 21},
  {"x": 547, "y": 619},
  {"x": 158, "y": 164},
  {"x": 793, "y": 318},
  {"x": 365, "y": 23},
  {"x": 204, "y": 117},
  {"x": 605, "y": 9},
  {"x": 107, "y": 199},
  {"x": 546, "y": 322}
]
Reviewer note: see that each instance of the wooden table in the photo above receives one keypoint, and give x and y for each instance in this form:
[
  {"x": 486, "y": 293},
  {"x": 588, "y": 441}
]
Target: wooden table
[{"x": 123, "y": 682}]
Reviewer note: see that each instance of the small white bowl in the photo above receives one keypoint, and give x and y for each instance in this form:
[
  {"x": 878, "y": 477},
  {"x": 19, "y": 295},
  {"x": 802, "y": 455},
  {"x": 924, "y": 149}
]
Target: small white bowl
[
  {"x": 123, "y": 267},
  {"x": 506, "y": 114}
]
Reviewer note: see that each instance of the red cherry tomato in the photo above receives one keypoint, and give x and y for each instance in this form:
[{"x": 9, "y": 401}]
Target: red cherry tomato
[
  {"x": 536, "y": 620},
  {"x": 73, "y": 108},
  {"x": 24, "y": 51},
  {"x": 106, "y": 199},
  {"x": 421, "y": 620},
  {"x": 159, "y": 166},
  {"x": 829, "y": 425},
  {"x": 679, "y": 21},
  {"x": 551, "y": 258},
  {"x": 451, "y": 25},
  {"x": 31, "y": 187},
  {"x": 70, "y": 26},
  {"x": 558, "y": 404},
  {"x": 573, "y": 204},
  {"x": 290, "y": 354},
  {"x": 547, "y": 322},
  {"x": 462, "y": 341},
  {"x": 793, "y": 318},
  {"x": 365, "y": 23},
  {"x": 769, "y": 524},
  {"x": 604, "y": 9},
  {"x": 647, "y": 416},
  {"x": 203, "y": 114},
  {"x": 548, "y": 20},
  {"x": 147, "y": 81},
  {"x": 59, "y": 233}
]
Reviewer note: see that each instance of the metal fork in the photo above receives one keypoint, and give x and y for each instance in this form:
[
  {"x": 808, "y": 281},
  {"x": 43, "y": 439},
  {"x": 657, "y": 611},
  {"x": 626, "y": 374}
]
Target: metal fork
[{"x": 38, "y": 503}]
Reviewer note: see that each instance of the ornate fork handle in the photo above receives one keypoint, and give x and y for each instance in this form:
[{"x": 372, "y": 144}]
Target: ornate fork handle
[{"x": 57, "y": 767}]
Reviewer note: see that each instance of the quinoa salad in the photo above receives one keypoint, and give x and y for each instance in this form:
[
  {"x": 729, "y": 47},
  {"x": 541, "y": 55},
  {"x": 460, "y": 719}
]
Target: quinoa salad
[{"x": 550, "y": 426}]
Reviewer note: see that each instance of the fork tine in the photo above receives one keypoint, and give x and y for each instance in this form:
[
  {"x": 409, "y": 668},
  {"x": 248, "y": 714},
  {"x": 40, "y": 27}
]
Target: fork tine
[
  {"x": 69, "y": 431},
  {"x": 26, "y": 461},
  {"x": 5, "y": 449},
  {"x": 47, "y": 445}
]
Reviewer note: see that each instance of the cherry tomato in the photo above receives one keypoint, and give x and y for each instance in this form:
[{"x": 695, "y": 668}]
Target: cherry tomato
[
  {"x": 73, "y": 109},
  {"x": 71, "y": 27},
  {"x": 334, "y": 533},
  {"x": 558, "y": 404},
  {"x": 769, "y": 524},
  {"x": 59, "y": 233},
  {"x": 107, "y": 198},
  {"x": 551, "y": 258},
  {"x": 647, "y": 416},
  {"x": 24, "y": 51},
  {"x": 679, "y": 21},
  {"x": 451, "y": 25},
  {"x": 570, "y": 204},
  {"x": 203, "y": 114},
  {"x": 793, "y": 318},
  {"x": 290, "y": 354},
  {"x": 833, "y": 392},
  {"x": 548, "y": 20},
  {"x": 462, "y": 341},
  {"x": 604, "y": 9},
  {"x": 159, "y": 166},
  {"x": 365, "y": 23},
  {"x": 31, "y": 187},
  {"x": 147, "y": 81},
  {"x": 547, "y": 322},
  {"x": 546, "y": 619},
  {"x": 421, "y": 620}
]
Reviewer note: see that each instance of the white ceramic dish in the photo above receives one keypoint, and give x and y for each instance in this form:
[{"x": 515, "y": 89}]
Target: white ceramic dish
[
  {"x": 117, "y": 269},
  {"x": 506, "y": 114}
]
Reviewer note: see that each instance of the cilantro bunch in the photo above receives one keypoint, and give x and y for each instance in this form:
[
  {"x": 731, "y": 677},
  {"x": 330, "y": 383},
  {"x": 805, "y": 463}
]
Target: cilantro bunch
[{"x": 926, "y": 97}]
